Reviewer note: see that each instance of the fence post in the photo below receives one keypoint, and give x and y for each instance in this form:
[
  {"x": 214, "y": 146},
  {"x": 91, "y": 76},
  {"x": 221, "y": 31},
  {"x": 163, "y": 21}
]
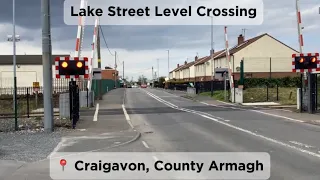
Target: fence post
[
  {"x": 87, "y": 97},
  {"x": 267, "y": 92},
  {"x": 270, "y": 69},
  {"x": 301, "y": 92},
  {"x": 277, "y": 92},
  {"x": 28, "y": 107},
  {"x": 234, "y": 90}
]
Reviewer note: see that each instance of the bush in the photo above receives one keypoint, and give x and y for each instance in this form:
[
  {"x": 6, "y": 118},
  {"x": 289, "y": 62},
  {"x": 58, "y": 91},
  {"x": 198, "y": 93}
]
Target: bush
[{"x": 271, "y": 82}]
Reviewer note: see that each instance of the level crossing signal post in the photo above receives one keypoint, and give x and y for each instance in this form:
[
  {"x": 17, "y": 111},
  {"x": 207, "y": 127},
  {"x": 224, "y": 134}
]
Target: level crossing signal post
[
  {"x": 72, "y": 68},
  {"x": 310, "y": 63}
]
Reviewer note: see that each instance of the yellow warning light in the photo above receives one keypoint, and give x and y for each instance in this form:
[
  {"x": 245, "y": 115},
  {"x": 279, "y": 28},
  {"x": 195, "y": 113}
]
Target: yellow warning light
[
  {"x": 313, "y": 59},
  {"x": 301, "y": 60},
  {"x": 79, "y": 64},
  {"x": 64, "y": 64}
]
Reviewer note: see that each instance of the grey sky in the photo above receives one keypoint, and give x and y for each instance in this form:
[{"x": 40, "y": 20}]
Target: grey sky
[{"x": 279, "y": 21}]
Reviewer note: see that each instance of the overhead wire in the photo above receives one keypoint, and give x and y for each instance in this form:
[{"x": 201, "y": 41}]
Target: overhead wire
[{"x": 105, "y": 41}]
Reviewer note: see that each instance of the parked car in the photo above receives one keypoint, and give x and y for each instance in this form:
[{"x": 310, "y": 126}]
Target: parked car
[
  {"x": 129, "y": 86},
  {"x": 134, "y": 86},
  {"x": 143, "y": 86}
]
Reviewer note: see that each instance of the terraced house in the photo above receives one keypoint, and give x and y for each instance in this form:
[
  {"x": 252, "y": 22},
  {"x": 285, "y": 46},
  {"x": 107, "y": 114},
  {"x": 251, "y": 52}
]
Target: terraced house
[{"x": 263, "y": 56}]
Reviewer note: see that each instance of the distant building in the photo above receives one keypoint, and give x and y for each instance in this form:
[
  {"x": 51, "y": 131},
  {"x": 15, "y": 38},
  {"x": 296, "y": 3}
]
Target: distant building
[
  {"x": 109, "y": 73},
  {"x": 29, "y": 70}
]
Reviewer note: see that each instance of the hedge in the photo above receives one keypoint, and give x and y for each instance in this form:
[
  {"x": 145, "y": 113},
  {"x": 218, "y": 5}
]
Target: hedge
[
  {"x": 281, "y": 82},
  {"x": 263, "y": 82}
]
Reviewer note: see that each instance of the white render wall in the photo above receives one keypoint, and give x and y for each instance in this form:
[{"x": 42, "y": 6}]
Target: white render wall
[{"x": 26, "y": 75}]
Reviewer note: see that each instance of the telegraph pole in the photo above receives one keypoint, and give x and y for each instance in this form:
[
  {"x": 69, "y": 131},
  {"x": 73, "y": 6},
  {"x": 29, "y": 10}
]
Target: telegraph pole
[
  {"x": 99, "y": 63},
  {"x": 47, "y": 66},
  {"x": 244, "y": 32},
  {"x": 211, "y": 53},
  {"x": 158, "y": 70},
  {"x": 168, "y": 65},
  {"x": 123, "y": 71}
]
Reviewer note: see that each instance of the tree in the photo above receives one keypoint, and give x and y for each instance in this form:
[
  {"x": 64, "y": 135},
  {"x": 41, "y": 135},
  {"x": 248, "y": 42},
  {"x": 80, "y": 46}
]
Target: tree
[
  {"x": 142, "y": 80},
  {"x": 161, "y": 82}
]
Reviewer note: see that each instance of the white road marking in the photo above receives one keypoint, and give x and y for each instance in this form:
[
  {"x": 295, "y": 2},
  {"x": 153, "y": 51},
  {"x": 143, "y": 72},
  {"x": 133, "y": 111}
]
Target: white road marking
[
  {"x": 291, "y": 119},
  {"x": 244, "y": 130},
  {"x": 301, "y": 144},
  {"x": 257, "y": 111},
  {"x": 145, "y": 144},
  {"x": 204, "y": 103},
  {"x": 127, "y": 116},
  {"x": 95, "y": 117},
  {"x": 231, "y": 104},
  {"x": 167, "y": 96},
  {"x": 227, "y": 120}
]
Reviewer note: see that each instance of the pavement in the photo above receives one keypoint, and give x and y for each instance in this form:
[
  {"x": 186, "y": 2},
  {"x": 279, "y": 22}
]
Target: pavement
[
  {"x": 153, "y": 120},
  {"x": 101, "y": 129}
]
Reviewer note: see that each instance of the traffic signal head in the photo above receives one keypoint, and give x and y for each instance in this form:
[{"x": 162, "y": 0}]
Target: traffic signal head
[
  {"x": 306, "y": 62},
  {"x": 72, "y": 67}
]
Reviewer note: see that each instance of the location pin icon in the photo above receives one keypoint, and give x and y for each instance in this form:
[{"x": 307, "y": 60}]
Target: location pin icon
[{"x": 63, "y": 162}]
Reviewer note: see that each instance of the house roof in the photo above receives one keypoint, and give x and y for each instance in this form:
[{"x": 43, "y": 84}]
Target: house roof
[
  {"x": 187, "y": 65},
  {"x": 207, "y": 58},
  {"x": 246, "y": 43},
  {"x": 25, "y": 59}
]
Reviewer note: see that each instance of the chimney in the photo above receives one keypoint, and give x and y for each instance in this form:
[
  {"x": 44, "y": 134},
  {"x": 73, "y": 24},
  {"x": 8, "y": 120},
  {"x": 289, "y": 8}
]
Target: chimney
[
  {"x": 196, "y": 58},
  {"x": 185, "y": 62},
  {"x": 240, "y": 39},
  {"x": 177, "y": 65},
  {"x": 211, "y": 52}
]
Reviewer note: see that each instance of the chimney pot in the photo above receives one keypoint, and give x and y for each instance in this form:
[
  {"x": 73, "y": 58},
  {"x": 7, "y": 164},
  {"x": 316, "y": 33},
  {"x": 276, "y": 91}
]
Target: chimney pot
[
  {"x": 196, "y": 58},
  {"x": 211, "y": 52},
  {"x": 177, "y": 65},
  {"x": 240, "y": 39},
  {"x": 185, "y": 62}
]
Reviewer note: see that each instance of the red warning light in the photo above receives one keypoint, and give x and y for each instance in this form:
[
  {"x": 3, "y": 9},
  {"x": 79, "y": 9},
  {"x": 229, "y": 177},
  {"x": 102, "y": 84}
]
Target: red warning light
[{"x": 314, "y": 59}]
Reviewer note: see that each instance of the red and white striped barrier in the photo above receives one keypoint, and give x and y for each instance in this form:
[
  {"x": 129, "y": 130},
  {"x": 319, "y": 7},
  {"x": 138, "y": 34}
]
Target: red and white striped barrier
[
  {"x": 86, "y": 64},
  {"x": 228, "y": 58},
  {"x": 80, "y": 32},
  {"x": 303, "y": 55}
]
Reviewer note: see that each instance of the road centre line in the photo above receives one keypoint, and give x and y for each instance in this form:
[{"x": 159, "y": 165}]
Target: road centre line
[{"x": 243, "y": 130}]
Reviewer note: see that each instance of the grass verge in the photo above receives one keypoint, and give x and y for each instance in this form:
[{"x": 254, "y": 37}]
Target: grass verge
[{"x": 286, "y": 96}]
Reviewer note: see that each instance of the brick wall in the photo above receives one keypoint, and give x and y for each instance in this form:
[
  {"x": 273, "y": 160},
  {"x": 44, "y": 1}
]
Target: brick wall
[{"x": 108, "y": 74}]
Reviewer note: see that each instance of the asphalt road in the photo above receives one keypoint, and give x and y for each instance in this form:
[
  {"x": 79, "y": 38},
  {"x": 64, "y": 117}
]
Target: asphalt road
[{"x": 170, "y": 123}]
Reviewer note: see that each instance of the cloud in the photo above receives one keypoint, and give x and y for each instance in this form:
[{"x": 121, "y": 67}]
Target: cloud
[{"x": 141, "y": 46}]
